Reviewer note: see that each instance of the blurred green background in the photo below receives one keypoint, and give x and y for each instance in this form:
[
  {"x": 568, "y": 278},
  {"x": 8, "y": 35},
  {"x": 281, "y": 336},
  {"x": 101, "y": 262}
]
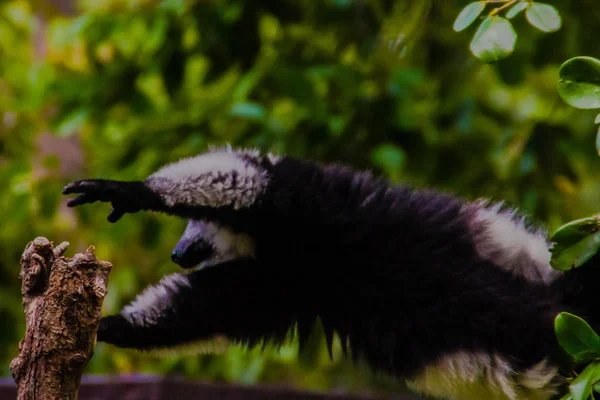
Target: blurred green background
[{"x": 117, "y": 88}]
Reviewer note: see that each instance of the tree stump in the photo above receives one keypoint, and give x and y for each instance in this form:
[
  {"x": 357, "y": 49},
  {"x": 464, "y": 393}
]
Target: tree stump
[{"x": 62, "y": 301}]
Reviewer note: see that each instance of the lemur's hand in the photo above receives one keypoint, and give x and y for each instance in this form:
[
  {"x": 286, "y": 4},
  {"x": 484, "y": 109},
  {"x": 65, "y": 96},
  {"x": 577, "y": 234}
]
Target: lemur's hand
[{"x": 123, "y": 196}]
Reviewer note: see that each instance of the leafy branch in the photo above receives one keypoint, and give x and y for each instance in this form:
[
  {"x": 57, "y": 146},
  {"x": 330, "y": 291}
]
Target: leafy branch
[
  {"x": 495, "y": 38},
  {"x": 573, "y": 245},
  {"x": 498, "y": 9},
  {"x": 579, "y": 85},
  {"x": 576, "y": 242}
]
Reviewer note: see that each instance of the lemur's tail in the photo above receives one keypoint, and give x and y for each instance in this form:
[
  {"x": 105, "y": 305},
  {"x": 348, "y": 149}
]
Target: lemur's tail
[{"x": 579, "y": 289}]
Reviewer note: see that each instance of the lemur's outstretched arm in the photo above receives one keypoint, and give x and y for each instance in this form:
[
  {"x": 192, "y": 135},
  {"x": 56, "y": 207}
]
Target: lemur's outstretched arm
[
  {"x": 199, "y": 187},
  {"x": 125, "y": 197},
  {"x": 199, "y": 307}
]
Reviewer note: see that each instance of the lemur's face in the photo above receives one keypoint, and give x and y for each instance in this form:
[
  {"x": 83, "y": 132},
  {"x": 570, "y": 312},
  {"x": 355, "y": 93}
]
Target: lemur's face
[
  {"x": 193, "y": 247},
  {"x": 217, "y": 179},
  {"x": 207, "y": 243}
]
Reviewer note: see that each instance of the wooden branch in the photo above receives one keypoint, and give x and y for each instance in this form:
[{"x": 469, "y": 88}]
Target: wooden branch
[{"x": 62, "y": 300}]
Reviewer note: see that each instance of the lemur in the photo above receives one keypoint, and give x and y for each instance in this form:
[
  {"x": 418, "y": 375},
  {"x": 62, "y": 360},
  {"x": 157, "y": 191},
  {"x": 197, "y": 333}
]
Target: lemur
[{"x": 455, "y": 297}]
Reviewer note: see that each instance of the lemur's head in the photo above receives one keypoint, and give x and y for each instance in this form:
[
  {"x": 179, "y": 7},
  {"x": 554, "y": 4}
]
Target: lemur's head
[
  {"x": 207, "y": 243},
  {"x": 221, "y": 178}
]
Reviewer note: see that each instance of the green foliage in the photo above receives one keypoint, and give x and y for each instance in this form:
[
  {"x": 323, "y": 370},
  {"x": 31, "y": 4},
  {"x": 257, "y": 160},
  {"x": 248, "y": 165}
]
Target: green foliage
[
  {"x": 123, "y": 87},
  {"x": 516, "y": 9},
  {"x": 575, "y": 243},
  {"x": 583, "y": 345},
  {"x": 544, "y": 17},
  {"x": 495, "y": 38},
  {"x": 391, "y": 159},
  {"x": 577, "y": 337},
  {"x": 578, "y": 241},
  {"x": 579, "y": 85},
  {"x": 582, "y": 386},
  {"x": 468, "y": 15}
]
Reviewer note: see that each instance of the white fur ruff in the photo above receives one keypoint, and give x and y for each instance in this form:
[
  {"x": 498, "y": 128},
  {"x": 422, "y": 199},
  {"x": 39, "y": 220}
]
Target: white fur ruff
[
  {"x": 227, "y": 244},
  {"x": 149, "y": 305},
  {"x": 477, "y": 376},
  {"x": 501, "y": 236}
]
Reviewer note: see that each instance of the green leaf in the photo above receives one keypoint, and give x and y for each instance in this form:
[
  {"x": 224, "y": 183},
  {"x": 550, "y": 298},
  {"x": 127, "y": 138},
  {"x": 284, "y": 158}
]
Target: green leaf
[
  {"x": 598, "y": 140},
  {"x": 597, "y": 121},
  {"x": 576, "y": 337},
  {"x": 468, "y": 15},
  {"x": 576, "y": 255},
  {"x": 390, "y": 158},
  {"x": 544, "y": 17},
  {"x": 248, "y": 110},
  {"x": 178, "y": 6},
  {"x": 152, "y": 85},
  {"x": 516, "y": 9},
  {"x": 73, "y": 122},
  {"x": 575, "y": 243},
  {"x": 157, "y": 35},
  {"x": 494, "y": 40},
  {"x": 574, "y": 231},
  {"x": 579, "y": 83},
  {"x": 581, "y": 387}
]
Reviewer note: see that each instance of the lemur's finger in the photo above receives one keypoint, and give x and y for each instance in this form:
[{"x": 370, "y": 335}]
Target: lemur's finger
[
  {"x": 88, "y": 185},
  {"x": 81, "y": 199},
  {"x": 72, "y": 187},
  {"x": 114, "y": 215}
]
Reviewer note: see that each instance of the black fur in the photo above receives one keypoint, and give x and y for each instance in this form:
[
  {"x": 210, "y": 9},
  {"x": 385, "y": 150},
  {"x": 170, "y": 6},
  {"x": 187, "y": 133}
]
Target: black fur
[
  {"x": 392, "y": 270},
  {"x": 231, "y": 299}
]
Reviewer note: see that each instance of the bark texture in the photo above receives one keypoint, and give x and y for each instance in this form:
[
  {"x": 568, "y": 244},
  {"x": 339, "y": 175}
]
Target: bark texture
[{"x": 62, "y": 300}]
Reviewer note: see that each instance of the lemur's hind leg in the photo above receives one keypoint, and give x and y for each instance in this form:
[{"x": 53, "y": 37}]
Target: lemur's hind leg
[{"x": 229, "y": 300}]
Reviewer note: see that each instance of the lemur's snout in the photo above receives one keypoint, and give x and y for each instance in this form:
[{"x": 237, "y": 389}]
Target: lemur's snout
[
  {"x": 175, "y": 256},
  {"x": 188, "y": 255}
]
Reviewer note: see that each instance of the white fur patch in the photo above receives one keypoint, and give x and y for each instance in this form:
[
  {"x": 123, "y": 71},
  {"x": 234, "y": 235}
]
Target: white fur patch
[
  {"x": 210, "y": 163},
  {"x": 476, "y": 376},
  {"x": 501, "y": 237},
  {"x": 220, "y": 177},
  {"x": 542, "y": 377},
  {"x": 227, "y": 244},
  {"x": 149, "y": 305}
]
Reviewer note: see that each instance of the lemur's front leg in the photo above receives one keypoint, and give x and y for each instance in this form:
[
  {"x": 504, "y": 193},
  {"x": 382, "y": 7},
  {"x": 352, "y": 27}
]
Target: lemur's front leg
[
  {"x": 201, "y": 187},
  {"x": 229, "y": 301}
]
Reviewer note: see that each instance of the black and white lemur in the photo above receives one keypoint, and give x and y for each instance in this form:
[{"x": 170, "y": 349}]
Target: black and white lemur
[{"x": 455, "y": 297}]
